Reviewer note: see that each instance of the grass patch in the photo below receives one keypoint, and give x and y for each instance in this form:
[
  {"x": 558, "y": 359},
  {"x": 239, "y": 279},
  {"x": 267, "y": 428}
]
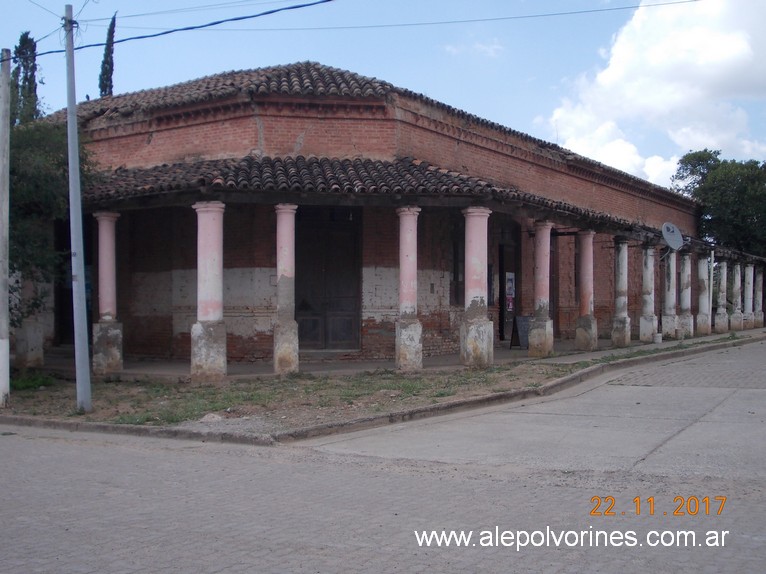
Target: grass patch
[{"x": 30, "y": 380}]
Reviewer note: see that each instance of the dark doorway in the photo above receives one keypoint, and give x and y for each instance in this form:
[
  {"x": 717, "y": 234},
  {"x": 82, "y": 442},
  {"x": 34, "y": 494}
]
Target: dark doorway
[
  {"x": 62, "y": 285},
  {"x": 328, "y": 277},
  {"x": 509, "y": 258}
]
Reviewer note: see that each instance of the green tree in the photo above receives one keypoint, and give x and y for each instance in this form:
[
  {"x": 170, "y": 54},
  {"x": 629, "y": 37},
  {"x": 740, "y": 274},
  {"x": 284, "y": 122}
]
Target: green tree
[
  {"x": 38, "y": 197},
  {"x": 107, "y": 64},
  {"x": 732, "y": 195},
  {"x": 25, "y": 107},
  {"x": 38, "y": 188}
]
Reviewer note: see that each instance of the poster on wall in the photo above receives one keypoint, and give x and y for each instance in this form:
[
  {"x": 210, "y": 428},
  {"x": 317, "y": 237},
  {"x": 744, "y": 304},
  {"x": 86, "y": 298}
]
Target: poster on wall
[{"x": 510, "y": 292}]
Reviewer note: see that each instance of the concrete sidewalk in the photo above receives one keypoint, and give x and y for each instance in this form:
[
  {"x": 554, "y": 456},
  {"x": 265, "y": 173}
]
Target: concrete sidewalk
[
  {"x": 60, "y": 360},
  {"x": 595, "y": 364}
]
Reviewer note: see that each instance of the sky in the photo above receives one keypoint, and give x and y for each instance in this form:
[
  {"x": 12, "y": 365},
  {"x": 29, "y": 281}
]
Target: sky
[{"x": 634, "y": 84}]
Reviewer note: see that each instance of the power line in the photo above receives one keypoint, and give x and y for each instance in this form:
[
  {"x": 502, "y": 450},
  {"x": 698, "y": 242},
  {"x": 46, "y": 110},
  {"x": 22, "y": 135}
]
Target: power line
[
  {"x": 165, "y": 32},
  {"x": 44, "y": 8},
  {"x": 203, "y": 7},
  {"x": 190, "y": 28},
  {"x": 467, "y": 21}
]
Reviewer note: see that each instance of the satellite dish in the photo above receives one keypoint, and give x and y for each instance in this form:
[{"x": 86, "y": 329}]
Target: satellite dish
[{"x": 672, "y": 236}]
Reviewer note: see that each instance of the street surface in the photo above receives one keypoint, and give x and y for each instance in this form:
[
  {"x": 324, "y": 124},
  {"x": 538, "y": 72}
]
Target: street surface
[{"x": 691, "y": 429}]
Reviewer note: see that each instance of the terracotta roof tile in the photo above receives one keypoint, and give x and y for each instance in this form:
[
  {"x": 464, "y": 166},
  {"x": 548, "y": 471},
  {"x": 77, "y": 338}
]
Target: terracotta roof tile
[
  {"x": 307, "y": 175},
  {"x": 298, "y": 174},
  {"x": 311, "y": 79},
  {"x": 298, "y": 79}
]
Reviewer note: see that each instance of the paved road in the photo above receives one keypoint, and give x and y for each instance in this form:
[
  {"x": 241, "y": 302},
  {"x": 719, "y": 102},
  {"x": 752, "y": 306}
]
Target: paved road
[{"x": 79, "y": 502}]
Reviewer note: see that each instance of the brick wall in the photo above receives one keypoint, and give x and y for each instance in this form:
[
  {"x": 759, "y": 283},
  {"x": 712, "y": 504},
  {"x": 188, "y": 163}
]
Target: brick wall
[{"x": 274, "y": 130}]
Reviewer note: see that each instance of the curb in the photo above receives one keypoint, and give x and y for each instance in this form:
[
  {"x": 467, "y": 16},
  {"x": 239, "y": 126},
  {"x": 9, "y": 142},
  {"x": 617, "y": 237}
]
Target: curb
[{"x": 270, "y": 439}]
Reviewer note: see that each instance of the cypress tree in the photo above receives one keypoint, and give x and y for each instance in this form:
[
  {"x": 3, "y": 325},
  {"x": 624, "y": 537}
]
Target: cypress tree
[
  {"x": 25, "y": 106},
  {"x": 107, "y": 64}
]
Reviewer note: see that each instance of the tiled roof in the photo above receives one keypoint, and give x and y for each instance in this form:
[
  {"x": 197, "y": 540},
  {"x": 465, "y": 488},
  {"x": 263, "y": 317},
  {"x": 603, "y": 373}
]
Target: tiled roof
[
  {"x": 311, "y": 79},
  {"x": 299, "y": 79},
  {"x": 314, "y": 175},
  {"x": 252, "y": 174}
]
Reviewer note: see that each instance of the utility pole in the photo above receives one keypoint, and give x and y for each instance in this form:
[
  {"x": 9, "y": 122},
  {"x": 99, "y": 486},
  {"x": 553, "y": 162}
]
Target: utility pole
[
  {"x": 82, "y": 362},
  {"x": 5, "y": 182}
]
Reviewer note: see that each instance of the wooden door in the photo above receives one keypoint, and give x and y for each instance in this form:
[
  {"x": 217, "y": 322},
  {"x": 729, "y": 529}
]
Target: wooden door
[{"x": 328, "y": 278}]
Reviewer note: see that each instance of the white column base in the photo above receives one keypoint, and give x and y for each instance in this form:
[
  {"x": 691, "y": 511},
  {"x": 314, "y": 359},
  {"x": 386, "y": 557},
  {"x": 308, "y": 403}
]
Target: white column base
[
  {"x": 107, "y": 348},
  {"x": 5, "y": 370},
  {"x": 477, "y": 343},
  {"x": 685, "y": 327},
  {"x": 621, "y": 332},
  {"x": 286, "y": 347},
  {"x": 540, "y": 338},
  {"x": 748, "y": 320},
  {"x": 703, "y": 324},
  {"x": 29, "y": 344},
  {"x": 669, "y": 326},
  {"x": 758, "y": 320},
  {"x": 737, "y": 321},
  {"x": 208, "y": 350},
  {"x": 409, "y": 345},
  {"x": 647, "y": 328},
  {"x": 586, "y": 333},
  {"x": 721, "y": 323}
]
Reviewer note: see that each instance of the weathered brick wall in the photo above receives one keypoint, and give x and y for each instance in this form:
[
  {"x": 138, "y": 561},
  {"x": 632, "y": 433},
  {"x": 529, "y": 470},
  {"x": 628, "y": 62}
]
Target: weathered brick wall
[
  {"x": 380, "y": 282},
  {"x": 432, "y": 135},
  {"x": 273, "y": 130}
]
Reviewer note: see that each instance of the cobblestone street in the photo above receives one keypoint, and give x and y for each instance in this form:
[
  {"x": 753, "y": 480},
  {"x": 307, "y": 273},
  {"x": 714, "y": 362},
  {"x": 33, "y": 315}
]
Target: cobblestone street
[{"x": 691, "y": 427}]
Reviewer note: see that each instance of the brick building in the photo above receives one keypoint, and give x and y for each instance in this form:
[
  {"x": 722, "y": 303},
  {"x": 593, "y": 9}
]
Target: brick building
[{"x": 274, "y": 213}]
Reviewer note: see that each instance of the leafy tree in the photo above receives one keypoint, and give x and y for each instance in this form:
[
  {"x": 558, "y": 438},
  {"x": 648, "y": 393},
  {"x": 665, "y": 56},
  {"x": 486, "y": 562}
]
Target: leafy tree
[
  {"x": 693, "y": 169},
  {"x": 25, "y": 107},
  {"x": 107, "y": 64},
  {"x": 732, "y": 196},
  {"x": 38, "y": 188}
]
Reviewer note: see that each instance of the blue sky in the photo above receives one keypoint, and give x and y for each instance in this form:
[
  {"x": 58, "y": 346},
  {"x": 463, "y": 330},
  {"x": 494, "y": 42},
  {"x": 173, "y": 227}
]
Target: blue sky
[{"x": 632, "y": 88}]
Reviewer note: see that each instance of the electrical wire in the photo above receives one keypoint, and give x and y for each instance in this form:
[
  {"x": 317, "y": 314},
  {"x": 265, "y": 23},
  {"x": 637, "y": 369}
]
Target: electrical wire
[
  {"x": 43, "y": 8},
  {"x": 190, "y": 28},
  {"x": 165, "y": 32},
  {"x": 203, "y": 7}
]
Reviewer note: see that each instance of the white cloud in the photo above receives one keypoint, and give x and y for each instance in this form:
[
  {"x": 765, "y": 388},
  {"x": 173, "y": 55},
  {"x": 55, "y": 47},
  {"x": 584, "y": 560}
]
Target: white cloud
[
  {"x": 679, "y": 77},
  {"x": 491, "y": 49}
]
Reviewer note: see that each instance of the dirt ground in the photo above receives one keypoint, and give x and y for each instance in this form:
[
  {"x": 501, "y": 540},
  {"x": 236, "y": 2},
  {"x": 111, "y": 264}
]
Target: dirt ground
[{"x": 269, "y": 405}]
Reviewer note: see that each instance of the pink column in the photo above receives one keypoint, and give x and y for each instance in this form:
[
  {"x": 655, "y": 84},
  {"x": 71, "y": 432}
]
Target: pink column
[
  {"x": 670, "y": 302},
  {"x": 541, "y": 329},
  {"x": 758, "y": 298},
  {"x": 621, "y": 321},
  {"x": 209, "y": 332},
  {"x": 107, "y": 267},
  {"x": 286, "y": 344},
  {"x": 476, "y": 331},
  {"x": 476, "y": 224},
  {"x": 648, "y": 321},
  {"x": 409, "y": 331},
  {"x": 408, "y": 260},
  {"x": 286, "y": 259},
  {"x": 722, "y": 314},
  {"x": 542, "y": 269},
  {"x": 736, "y": 320},
  {"x": 107, "y": 333},
  {"x": 685, "y": 319},
  {"x": 209, "y": 260},
  {"x": 586, "y": 333},
  {"x": 586, "y": 271},
  {"x": 704, "y": 322},
  {"x": 748, "y": 320}
]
